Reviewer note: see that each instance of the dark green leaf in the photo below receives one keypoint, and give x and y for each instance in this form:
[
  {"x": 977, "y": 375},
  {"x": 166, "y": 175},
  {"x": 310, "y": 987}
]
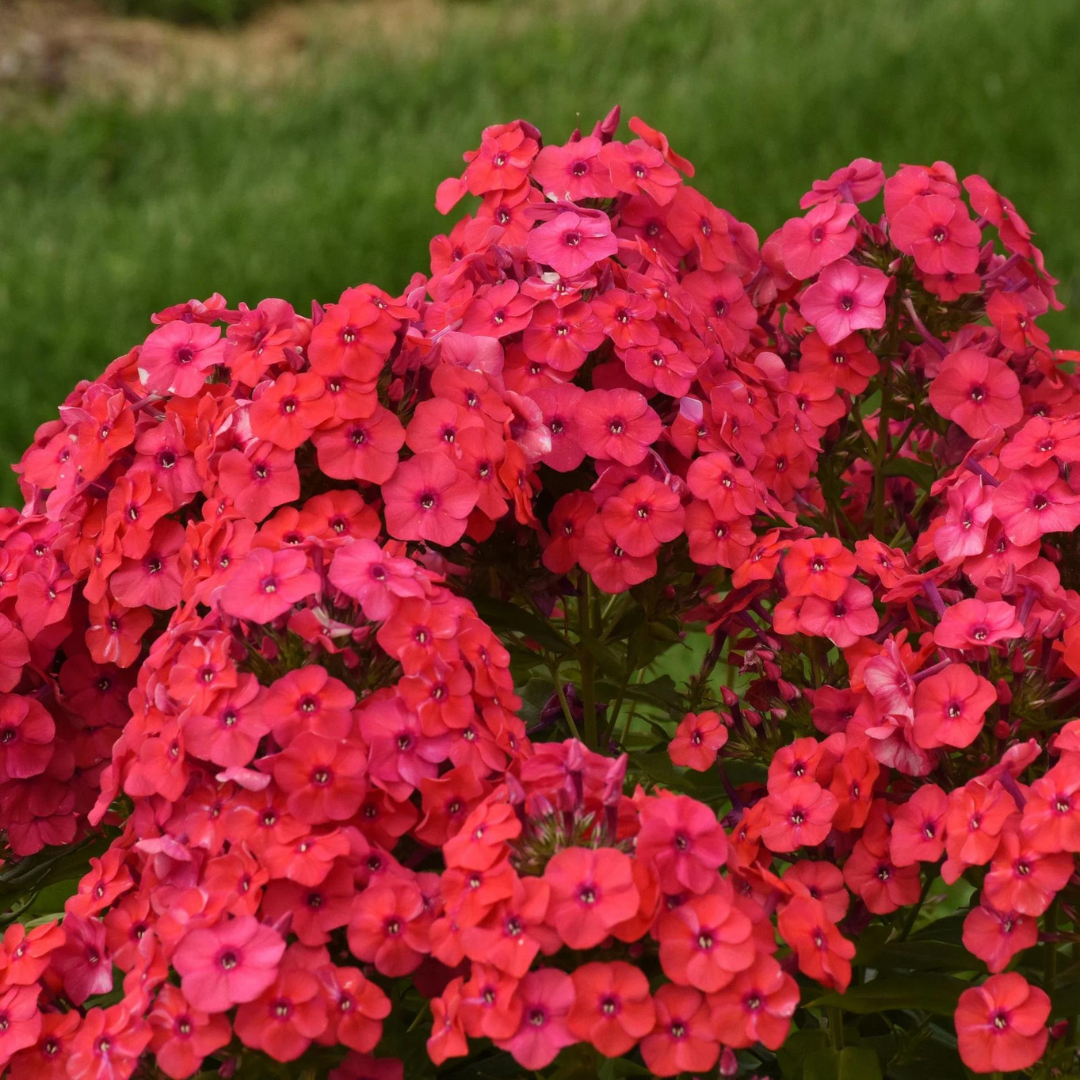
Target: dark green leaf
[
  {"x": 501, "y": 615},
  {"x": 851, "y": 1063},
  {"x": 797, "y": 1047},
  {"x": 923, "y": 474},
  {"x": 935, "y": 994},
  {"x": 1065, "y": 1000},
  {"x": 924, "y": 955}
]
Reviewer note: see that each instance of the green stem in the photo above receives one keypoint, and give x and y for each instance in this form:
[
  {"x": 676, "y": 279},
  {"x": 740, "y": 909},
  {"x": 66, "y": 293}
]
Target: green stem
[
  {"x": 881, "y": 456},
  {"x": 1050, "y": 968},
  {"x": 911, "y": 919},
  {"x": 588, "y": 664},
  {"x": 553, "y": 668},
  {"x": 836, "y": 1027}
]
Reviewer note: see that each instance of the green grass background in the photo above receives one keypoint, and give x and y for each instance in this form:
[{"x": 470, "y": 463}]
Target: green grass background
[{"x": 111, "y": 213}]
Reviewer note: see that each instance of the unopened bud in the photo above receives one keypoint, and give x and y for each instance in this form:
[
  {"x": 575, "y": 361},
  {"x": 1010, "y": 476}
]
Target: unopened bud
[
  {"x": 787, "y": 691},
  {"x": 1004, "y": 693},
  {"x": 729, "y": 1063}
]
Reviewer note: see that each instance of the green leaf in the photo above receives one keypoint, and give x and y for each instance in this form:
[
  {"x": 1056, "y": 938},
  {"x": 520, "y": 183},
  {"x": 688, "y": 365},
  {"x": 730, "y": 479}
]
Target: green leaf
[
  {"x": 950, "y": 929},
  {"x": 851, "y": 1063},
  {"x": 924, "y": 955},
  {"x": 21, "y": 879},
  {"x": 1065, "y": 1000},
  {"x": 501, "y": 615},
  {"x": 535, "y": 694},
  {"x": 938, "y": 994},
  {"x": 923, "y": 474},
  {"x": 797, "y": 1047}
]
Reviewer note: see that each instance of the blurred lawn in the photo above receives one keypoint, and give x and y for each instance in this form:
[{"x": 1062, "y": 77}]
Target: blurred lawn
[{"x": 111, "y": 214}]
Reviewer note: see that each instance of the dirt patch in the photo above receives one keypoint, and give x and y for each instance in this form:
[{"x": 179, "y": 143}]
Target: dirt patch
[{"x": 57, "y": 52}]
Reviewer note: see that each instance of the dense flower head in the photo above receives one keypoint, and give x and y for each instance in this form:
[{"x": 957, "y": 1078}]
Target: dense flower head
[{"x": 591, "y": 646}]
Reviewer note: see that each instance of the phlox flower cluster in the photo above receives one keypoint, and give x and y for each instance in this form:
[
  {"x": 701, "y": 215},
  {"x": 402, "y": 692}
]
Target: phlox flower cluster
[{"x": 340, "y": 653}]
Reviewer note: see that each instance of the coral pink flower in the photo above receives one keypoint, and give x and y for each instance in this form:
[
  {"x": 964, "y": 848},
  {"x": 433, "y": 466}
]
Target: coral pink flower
[
  {"x": 858, "y": 182},
  {"x": 228, "y": 731},
  {"x": 309, "y": 699},
  {"x": 108, "y": 1043},
  {"x": 357, "y": 1008},
  {"x": 918, "y": 829},
  {"x": 559, "y": 405},
  {"x": 845, "y": 297},
  {"x": 1033, "y": 502},
  {"x": 509, "y": 936},
  {"x": 573, "y": 241},
  {"x": 20, "y": 1019},
  {"x": 27, "y": 731},
  {"x": 228, "y": 964},
  {"x": 950, "y": 706},
  {"x": 871, "y": 875},
  {"x": 323, "y": 777},
  {"x": 823, "y": 953},
  {"x": 697, "y": 740},
  {"x": 428, "y": 499},
  {"x": 592, "y": 890},
  {"x": 182, "y": 1035},
  {"x": 996, "y": 937},
  {"x": 83, "y": 961},
  {"x": 967, "y": 520},
  {"x": 714, "y": 540},
  {"x": 977, "y": 392},
  {"x": 1051, "y": 820},
  {"x": 290, "y": 410},
  {"x": 818, "y": 567},
  {"x": 546, "y": 997},
  {"x": 573, "y": 171},
  {"x": 387, "y": 928},
  {"x": 756, "y": 1006},
  {"x": 376, "y": 578},
  {"x": 938, "y": 232},
  {"x": 662, "y": 366},
  {"x": 261, "y": 480},
  {"x": 354, "y": 337},
  {"x": 977, "y": 623},
  {"x": 684, "y": 1039},
  {"x": 611, "y": 568},
  {"x": 628, "y": 319},
  {"x": 285, "y": 1018},
  {"x": 1001, "y": 1025},
  {"x": 637, "y": 167},
  {"x": 800, "y": 815},
  {"x": 823, "y": 881},
  {"x": 705, "y": 941},
  {"x": 824, "y": 235},
  {"x": 848, "y": 362},
  {"x": 721, "y": 301},
  {"x": 178, "y": 356},
  {"x": 1040, "y": 440},
  {"x": 563, "y": 337},
  {"x": 612, "y": 1006},
  {"x": 684, "y": 840},
  {"x": 1023, "y": 879},
  {"x": 617, "y": 425},
  {"x": 843, "y": 621},
  {"x": 644, "y": 515},
  {"x": 361, "y": 448},
  {"x": 153, "y": 580},
  {"x": 267, "y": 584}
]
